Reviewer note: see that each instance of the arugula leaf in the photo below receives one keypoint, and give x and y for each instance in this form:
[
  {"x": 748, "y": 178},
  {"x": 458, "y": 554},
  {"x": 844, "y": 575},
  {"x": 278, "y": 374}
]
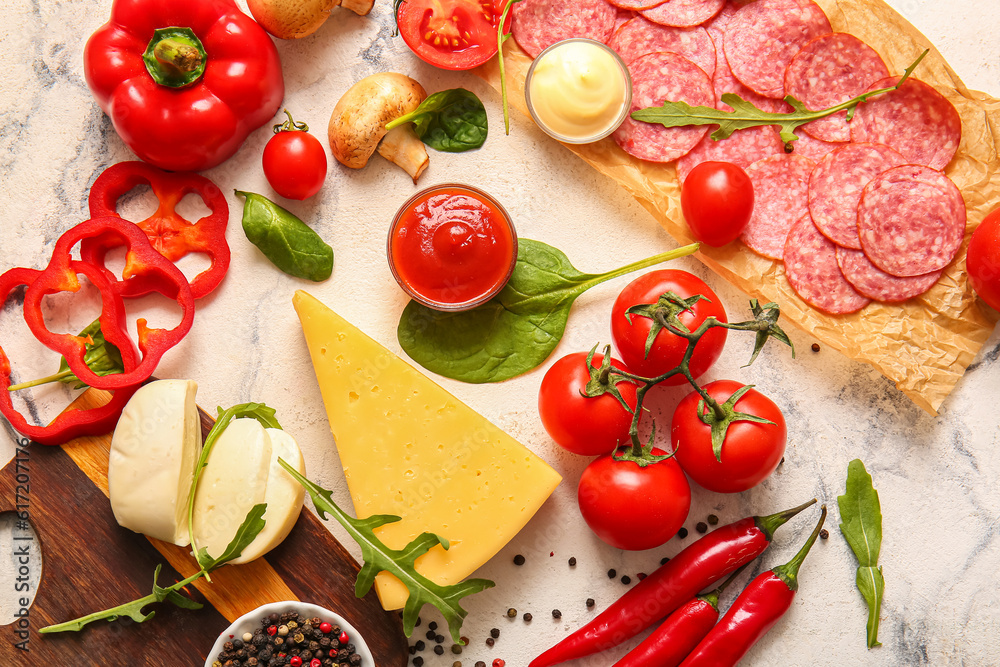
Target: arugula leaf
[
  {"x": 290, "y": 244},
  {"x": 398, "y": 562},
  {"x": 450, "y": 120},
  {"x": 516, "y": 330},
  {"x": 245, "y": 534},
  {"x": 502, "y": 36},
  {"x": 861, "y": 524},
  {"x": 745, "y": 114},
  {"x": 100, "y": 356}
]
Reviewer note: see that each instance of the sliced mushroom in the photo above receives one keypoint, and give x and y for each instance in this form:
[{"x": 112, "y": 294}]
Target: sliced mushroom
[{"x": 358, "y": 122}]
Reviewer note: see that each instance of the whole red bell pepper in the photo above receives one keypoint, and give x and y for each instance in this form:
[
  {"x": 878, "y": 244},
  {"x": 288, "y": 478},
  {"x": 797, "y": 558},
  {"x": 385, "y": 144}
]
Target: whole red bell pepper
[{"x": 184, "y": 81}]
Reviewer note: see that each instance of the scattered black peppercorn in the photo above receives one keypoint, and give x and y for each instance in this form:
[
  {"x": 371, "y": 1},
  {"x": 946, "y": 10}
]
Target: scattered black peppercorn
[
  {"x": 701, "y": 527},
  {"x": 432, "y": 625},
  {"x": 612, "y": 574},
  {"x": 823, "y": 534},
  {"x": 519, "y": 560},
  {"x": 713, "y": 520},
  {"x": 417, "y": 624},
  {"x": 511, "y": 613},
  {"x": 556, "y": 613},
  {"x": 439, "y": 650},
  {"x": 626, "y": 579},
  {"x": 430, "y": 634},
  {"x": 682, "y": 533},
  {"x": 494, "y": 632},
  {"x": 590, "y": 603},
  {"x": 421, "y": 645},
  {"x": 418, "y": 661},
  {"x": 572, "y": 561},
  {"x": 527, "y": 617},
  {"x": 490, "y": 641},
  {"x": 480, "y": 663},
  {"x": 664, "y": 560},
  {"x": 815, "y": 347},
  {"x": 439, "y": 638}
]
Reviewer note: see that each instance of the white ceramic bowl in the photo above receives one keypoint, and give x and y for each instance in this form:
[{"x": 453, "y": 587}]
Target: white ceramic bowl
[{"x": 251, "y": 621}]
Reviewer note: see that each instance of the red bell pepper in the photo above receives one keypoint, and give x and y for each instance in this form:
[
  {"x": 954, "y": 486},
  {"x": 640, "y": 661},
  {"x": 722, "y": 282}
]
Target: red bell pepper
[
  {"x": 72, "y": 422},
  {"x": 184, "y": 81},
  {"x": 172, "y": 235},
  {"x": 142, "y": 260}
]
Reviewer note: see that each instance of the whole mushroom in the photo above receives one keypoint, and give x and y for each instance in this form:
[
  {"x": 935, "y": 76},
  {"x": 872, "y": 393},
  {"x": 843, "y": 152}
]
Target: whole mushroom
[
  {"x": 292, "y": 19},
  {"x": 358, "y": 122}
]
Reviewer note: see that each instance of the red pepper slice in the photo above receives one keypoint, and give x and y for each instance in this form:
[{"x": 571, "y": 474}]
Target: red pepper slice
[
  {"x": 172, "y": 235},
  {"x": 142, "y": 260},
  {"x": 72, "y": 422}
]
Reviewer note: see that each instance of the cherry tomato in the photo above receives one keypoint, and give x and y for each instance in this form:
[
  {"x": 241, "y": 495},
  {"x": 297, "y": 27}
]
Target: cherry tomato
[
  {"x": 717, "y": 200},
  {"x": 668, "y": 348},
  {"x": 451, "y": 34},
  {"x": 983, "y": 259},
  {"x": 750, "y": 452},
  {"x": 294, "y": 162},
  {"x": 581, "y": 424},
  {"x": 631, "y": 507}
]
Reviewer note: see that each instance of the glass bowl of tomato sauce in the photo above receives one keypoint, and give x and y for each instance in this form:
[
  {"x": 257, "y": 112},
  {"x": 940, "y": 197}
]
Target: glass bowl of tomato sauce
[{"x": 452, "y": 247}]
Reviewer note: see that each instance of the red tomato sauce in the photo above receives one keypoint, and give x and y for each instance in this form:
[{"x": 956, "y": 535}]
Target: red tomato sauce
[{"x": 452, "y": 246}]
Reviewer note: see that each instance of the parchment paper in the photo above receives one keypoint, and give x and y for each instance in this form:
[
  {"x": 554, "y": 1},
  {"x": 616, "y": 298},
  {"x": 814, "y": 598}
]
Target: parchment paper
[{"x": 923, "y": 345}]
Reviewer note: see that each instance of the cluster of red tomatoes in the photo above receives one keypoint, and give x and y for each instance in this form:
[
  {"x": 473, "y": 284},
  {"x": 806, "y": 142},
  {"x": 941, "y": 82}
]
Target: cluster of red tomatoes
[{"x": 628, "y": 505}]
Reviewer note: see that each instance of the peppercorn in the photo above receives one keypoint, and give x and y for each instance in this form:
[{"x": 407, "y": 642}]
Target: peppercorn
[
  {"x": 456, "y": 649},
  {"x": 228, "y": 647},
  {"x": 664, "y": 560},
  {"x": 412, "y": 649},
  {"x": 682, "y": 533},
  {"x": 457, "y": 663},
  {"x": 430, "y": 635},
  {"x": 494, "y": 632},
  {"x": 282, "y": 630},
  {"x": 641, "y": 576},
  {"x": 490, "y": 641},
  {"x": 572, "y": 561},
  {"x": 815, "y": 347},
  {"x": 590, "y": 603},
  {"x": 299, "y": 638},
  {"x": 418, "y": 661},
  {"x": 421, "y": 645},
  {"x": 824, "y": 534},
  {"x": 463, "y": 640},
  {"x": 701, "y": 527},
  {"x": 713, "y": 520},
  {"x": 511, "y": 613},
  {"x": 556, "y": 613},
  {"x": 499, "y": 663},
  {"x": 326, "y": 627},
  {"x": 519, "y": 560},
  {"x": 432, "y": 625},
  {"x": 626, "y": 579},
  {"x": 292, "y": 625},
  {"x": 419, "y": 620},
  {"x": 439, "y": 638},
  {"x": 480, "y": 663},
  {"x": 439, "y": 650},
  {"x": 612, "y": 574}
]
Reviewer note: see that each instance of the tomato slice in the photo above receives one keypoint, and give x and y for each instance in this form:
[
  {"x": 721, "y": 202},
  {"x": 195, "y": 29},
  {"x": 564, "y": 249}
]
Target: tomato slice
[{"x": 451, "y": 34}]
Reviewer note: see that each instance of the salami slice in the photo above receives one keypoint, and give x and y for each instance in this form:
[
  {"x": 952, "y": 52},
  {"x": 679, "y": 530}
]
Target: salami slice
[
  {"x": 538, "y": 24},
  {"x": 835, "y": 188},
  {"x": 915, "y": 120},
  {"x": 828, "y": 70},
  {"x": 657, "y": 78},
  {"x": 814, "y": 149},
  {"x": 742, "y": 148},
  {"x": 636, "y": 5},
  {"x": 640, "y": 37},
  {"x": 684, "y": 13},
  {"x": 911, "y": 220},
  {"x": 622, "y": 17},
  {"x": 812, "y": 270},
  {"x": 781, "y": 196},
  {"x": 874, "y": 284},
  {"x": 763, "y": 36},
  {"x": 723, "y": 81}
]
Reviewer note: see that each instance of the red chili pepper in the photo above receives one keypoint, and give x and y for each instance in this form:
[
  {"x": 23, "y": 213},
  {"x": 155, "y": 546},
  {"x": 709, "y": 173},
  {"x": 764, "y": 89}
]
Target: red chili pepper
[
  {"x": 141, "y": 259},
  {"x": 72, "y": 422},
  {"x": 677, "y": 636},
  {"x": 172, "y": 235},
  {"x": 758, "y": 607},
  {"x": 184, "y": 81},
  {"x": 692, "y": 570}
]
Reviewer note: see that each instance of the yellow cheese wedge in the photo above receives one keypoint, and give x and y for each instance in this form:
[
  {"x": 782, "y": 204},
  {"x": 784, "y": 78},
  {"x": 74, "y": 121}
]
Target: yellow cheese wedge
[{"x": 410, "y": 448}]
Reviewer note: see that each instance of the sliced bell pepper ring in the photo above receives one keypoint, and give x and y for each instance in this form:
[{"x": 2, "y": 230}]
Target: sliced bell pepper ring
[
  {"x": 72, "y": 422},
  {"x": 172, "y": 235},
  {"x": 141, "y": 259}
]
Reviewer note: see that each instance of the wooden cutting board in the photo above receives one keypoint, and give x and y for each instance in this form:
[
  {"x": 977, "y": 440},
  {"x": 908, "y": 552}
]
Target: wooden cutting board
[{"x": 89, "y": 563}]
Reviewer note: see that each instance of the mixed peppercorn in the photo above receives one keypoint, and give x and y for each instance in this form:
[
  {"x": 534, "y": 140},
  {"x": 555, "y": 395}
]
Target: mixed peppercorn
[{"x": 292, "y": 640}]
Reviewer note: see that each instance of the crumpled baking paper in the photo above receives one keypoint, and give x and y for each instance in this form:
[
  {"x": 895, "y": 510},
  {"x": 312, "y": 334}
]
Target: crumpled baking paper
[{"x": 923, "y": 345}]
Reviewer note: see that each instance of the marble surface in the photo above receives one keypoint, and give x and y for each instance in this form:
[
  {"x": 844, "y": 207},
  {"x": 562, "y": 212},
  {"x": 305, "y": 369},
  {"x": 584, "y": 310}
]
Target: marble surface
[{"x": 937, "y": 476}]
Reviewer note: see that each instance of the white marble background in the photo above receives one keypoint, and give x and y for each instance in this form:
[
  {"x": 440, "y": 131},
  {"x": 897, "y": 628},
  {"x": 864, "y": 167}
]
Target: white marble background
[{"x": 937, "y": 476}]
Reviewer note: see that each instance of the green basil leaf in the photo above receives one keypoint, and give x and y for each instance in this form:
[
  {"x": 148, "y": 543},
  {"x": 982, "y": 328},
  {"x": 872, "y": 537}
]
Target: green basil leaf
[
  {"x": 100, "y": 356},
  {"x": 516, "y": 330},
  {"x": 285, "y": 240},
  {"x": 451, "y": 120},
  {"x": 861, "y": 524}
]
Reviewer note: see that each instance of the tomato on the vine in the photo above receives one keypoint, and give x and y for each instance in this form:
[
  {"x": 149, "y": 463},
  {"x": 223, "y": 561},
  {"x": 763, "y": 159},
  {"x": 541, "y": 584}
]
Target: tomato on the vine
[
  {"x": 450, "y": 34},
  {"x": 294, "y": 161},
  {"x": 632, "y": 507},
  {"x": 750, "y": 452},
  {"x": 717, "y": 201},
  {"x": 667, "y": 350},
  {"x": 983, "y": 259},
  {"x": 583, "y": 424}
]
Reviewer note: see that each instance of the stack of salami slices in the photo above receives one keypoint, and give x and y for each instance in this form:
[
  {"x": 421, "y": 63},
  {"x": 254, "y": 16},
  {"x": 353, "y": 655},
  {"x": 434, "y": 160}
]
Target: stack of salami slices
[{"x": 858, "y": 209}]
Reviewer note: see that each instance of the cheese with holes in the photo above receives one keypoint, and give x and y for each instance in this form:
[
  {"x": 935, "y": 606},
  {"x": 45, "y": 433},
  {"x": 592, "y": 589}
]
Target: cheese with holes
[{"x": 410, "y": 448}]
